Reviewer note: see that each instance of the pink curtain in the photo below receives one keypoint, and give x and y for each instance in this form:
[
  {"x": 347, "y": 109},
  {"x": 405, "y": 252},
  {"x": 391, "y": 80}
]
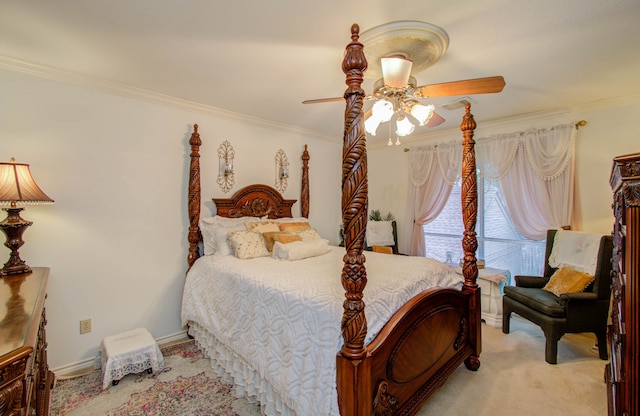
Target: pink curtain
[
  {"x": 432, "y": 173},
  {"x": 535, "y": 169}
]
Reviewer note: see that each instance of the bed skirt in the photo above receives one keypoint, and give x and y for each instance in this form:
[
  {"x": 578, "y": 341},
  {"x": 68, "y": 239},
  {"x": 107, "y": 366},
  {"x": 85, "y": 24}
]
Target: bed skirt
[{"x": 248, "y": 383}]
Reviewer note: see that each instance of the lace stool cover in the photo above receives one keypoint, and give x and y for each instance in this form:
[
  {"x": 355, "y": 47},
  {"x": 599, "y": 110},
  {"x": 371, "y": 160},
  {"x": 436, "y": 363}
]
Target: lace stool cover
[{"x": 129, "y": 352}]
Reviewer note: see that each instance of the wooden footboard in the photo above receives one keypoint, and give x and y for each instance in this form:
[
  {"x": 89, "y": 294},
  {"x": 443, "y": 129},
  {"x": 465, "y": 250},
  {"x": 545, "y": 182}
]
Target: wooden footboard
[{"x": 424, "y": 342}]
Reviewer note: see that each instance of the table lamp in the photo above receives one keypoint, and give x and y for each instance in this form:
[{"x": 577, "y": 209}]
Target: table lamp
[{"x": 17, "y": 187}]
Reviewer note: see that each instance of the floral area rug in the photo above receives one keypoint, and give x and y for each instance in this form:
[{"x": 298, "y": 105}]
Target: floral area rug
[{"x": 187, "y": 386}]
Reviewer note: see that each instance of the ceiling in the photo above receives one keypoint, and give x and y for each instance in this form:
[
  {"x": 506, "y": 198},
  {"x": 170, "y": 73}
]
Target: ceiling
[{"x": 263, "y": 58}]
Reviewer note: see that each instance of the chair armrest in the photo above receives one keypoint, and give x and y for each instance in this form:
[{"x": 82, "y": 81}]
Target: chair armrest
[
  {"x": 531, "y": 281},
  {"x": 578, "y": 296}
]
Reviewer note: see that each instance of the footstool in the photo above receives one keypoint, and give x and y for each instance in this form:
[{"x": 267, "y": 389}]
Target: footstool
[{"x": 129, "y": 352}]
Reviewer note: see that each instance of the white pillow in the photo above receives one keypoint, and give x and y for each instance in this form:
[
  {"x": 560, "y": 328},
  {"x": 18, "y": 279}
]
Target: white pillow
[
  {"x": 247, "y": 244},
  {"x": 380, "y": 233},
  {"x": 299, "y": 250},
  {"x": 208, "y": 226},
  {"x": 220, "y": 235},
  {"x": 208, "y": 238},
  {"x": 226, "y": 221}
]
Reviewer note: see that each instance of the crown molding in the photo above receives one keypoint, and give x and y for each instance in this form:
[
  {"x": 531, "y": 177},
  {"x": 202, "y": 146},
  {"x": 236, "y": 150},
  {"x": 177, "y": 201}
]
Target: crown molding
[{"x": 114, "y": 88}]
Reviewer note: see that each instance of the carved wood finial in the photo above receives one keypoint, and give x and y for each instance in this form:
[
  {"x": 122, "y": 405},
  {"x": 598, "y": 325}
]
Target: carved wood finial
[{"x": 354, "y": 200}]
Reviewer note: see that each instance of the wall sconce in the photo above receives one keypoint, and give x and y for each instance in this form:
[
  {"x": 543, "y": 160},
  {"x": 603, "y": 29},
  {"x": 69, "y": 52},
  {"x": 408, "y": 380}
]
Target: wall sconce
[
  {"x": 282, "y": 170},
  {"x": 17, "y": 187},
  {"x": 225, "y": 163}
]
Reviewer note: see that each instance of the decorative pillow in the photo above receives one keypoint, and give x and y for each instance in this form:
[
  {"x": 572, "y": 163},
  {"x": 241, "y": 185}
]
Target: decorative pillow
[
  {"x": 262, "y": 226},
  {"x": 299, "y": 250},
  {"x": 309, "y": 234},
  {"x": 567, "y": 279},
  {"x": 380, "y": 233},
  {"x": 382, "y": 249},
  {"x": 294, "y": 227},
  {"x": 270, "y": 238},
  {"x": 289, "y": 219},
  {"x": 247, "y": 244},
  {"x": 286, "y": 238}
]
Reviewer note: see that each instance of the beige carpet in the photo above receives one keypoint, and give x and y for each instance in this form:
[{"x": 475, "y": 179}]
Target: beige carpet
[{"x": 514, "y": 378}]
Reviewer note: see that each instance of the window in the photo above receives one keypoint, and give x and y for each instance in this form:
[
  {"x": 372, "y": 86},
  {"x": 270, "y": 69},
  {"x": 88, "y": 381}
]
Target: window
[{"x": 499, "y": 243}]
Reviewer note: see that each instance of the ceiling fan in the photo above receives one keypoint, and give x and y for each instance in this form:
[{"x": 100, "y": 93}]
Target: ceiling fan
[{"x": 393, "y": 50}]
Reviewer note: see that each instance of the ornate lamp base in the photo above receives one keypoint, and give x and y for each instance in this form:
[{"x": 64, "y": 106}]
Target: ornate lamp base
[{"x": 13, "y": 226}]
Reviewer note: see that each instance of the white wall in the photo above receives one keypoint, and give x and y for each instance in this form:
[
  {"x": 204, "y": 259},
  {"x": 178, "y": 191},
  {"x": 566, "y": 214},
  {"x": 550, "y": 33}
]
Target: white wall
[
  {"x": 116, "y": 237},
  {"x": 610, "y": 132}
]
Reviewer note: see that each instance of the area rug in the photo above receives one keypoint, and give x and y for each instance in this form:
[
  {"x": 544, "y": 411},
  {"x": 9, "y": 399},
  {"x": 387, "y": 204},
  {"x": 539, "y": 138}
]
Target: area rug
[
  {"x": 187, "y": 386},
  {"x": 513, "y": 378}
]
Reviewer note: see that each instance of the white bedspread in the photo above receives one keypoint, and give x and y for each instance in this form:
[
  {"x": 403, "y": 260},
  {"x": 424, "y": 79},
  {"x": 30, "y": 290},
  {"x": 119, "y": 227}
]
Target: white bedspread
[{"x": 273, "y": 326}]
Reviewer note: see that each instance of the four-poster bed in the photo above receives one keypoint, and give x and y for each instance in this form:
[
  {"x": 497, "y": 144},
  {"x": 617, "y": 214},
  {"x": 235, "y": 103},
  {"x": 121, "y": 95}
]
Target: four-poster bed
[{"x": 382, "y": 367}]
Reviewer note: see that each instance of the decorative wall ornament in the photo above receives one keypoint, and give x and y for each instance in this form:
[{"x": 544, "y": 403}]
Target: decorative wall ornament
[
  {"x": 282, "y": 170},
  {"x": 225, "y": 171}
]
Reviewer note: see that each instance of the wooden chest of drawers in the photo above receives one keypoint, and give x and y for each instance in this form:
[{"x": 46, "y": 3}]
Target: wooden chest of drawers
[
  {"x": 25, "y": 379},
  {"x": 622, "y": 373}
]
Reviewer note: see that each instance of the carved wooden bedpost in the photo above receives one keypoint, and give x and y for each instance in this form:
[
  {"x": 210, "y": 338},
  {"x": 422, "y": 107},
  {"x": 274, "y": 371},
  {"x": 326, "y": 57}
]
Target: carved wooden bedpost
[
  {"x": 304, "y": 192},
  {"x": 352, "y": 398},
  {"x": 194, "y": 197},
  {"x": 469, "y": 197}
]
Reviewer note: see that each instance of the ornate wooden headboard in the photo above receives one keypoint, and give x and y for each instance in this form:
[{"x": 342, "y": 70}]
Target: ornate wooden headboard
[{"x": 255, "y": 201}]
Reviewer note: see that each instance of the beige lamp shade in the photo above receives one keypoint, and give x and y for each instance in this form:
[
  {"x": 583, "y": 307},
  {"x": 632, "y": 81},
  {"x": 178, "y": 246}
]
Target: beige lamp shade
[{"x": 17, "y": 185}]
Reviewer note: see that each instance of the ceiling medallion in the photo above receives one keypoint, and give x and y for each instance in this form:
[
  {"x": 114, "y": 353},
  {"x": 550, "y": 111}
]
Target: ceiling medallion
[{"x": 422, "y": 43}]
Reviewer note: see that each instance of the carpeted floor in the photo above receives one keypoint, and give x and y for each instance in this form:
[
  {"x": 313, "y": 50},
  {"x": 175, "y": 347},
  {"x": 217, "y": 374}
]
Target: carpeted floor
[{"x": 513, "y": 379}]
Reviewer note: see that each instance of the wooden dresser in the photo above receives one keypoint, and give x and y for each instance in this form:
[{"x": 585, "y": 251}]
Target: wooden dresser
[
  {"x": 621, "y": 374},
  {"x": 25, "y": 379}
]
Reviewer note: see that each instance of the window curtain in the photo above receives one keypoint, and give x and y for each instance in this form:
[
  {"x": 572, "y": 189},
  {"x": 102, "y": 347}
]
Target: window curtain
[
  {"x": 535, "y": 169},
  {"x": 432, "y": 173}
]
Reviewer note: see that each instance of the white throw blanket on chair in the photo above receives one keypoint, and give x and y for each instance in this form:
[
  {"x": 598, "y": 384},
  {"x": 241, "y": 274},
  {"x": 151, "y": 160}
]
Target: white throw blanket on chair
[{"x": 575, "y": 249}]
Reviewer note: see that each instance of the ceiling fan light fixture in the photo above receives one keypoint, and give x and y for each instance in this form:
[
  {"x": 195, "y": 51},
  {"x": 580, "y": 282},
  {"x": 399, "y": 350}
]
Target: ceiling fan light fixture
[
  {"x": 371, "y": 124},
  {"x": 396, "y": 71},
  {"x": 404, "y": 127},
  {"x": 422, "y": 113},
  {"x": 383, "y": 110}
]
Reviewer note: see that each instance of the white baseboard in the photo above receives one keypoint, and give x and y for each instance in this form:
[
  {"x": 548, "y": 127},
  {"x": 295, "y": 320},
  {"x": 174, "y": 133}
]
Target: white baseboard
[{"x": 89, "y": 364}]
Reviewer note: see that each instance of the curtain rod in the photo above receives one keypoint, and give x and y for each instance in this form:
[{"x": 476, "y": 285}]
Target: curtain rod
[{"x": 579, "y": 124}]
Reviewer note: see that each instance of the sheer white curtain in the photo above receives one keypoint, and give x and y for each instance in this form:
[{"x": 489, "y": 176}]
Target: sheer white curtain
[
  {"x": 535, "y": 169},
  {"x": 539, "y": 186},
  {"x": 432, "y": 173}
]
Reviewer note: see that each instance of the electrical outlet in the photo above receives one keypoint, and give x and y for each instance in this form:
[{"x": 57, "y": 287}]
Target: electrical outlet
[{"x": 85, "y": 326}]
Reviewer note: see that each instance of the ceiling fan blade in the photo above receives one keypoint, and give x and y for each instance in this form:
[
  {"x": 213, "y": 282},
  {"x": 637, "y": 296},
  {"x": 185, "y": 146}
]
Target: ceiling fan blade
[
  {"x": 435, "y": 120},
  {"x": 323, "y": 100},
  {"x": 464, "y": 87}
]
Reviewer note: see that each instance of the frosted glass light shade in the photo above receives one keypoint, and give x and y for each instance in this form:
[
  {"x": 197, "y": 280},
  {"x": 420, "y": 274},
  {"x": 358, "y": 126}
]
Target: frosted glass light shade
[
  {"x": 422, "y": 113},
  {"x": 383, "y": 109},
  {"x": 404, "y": 127},
  {"x": 396, "y": 71},
  {"x": 371, "y": 124}
]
